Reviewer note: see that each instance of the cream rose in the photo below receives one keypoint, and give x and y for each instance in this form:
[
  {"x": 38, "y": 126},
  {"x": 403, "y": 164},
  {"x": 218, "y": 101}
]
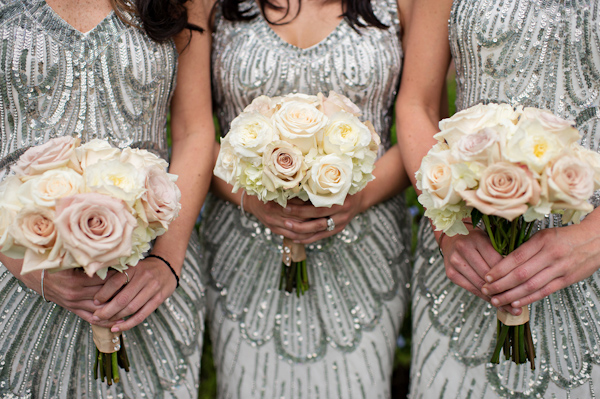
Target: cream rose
[
  {"x": 7, "y": 216},
  {"x": 161, "y": 198},
  {"x": 551, "y": 123},
  {"x": 482, "y": 147},
  {"x": 228, "y": 165},
  {"x": 142, "y": 158},
  {"x": 570, "y": 184},
  {"x": 335, "y": 103},
  {"x": 249, "y": 135},
  {"x": 94, "y": 151},
  {"x": 298, "y": 98},
  {"x": 435, "y": 177},
  {"x": 45, "y": 189},
  {"x": 53, "y": 154},
  {"x": 117, "y": 179},
  {"x": 534, "y": 146},
  {"x": 263, "y": 105},
  {"x": 473, "y": 119},
  {"x": 345, "y": 134},
  {"x": 95, "y": 229},
  {"x": 329, "y": 180},
  {"x": 299, "y": 123},
  {"x": 34, "y": 229},
  {"x": 505, "y": 190},
  {"x": 284, "y": 166},
  {"x": 592, "y": 158}
]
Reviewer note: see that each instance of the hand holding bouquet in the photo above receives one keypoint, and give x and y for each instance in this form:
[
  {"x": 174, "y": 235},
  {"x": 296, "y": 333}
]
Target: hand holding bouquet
[
  {"x": 311, "y": 147},
  {"x": 93, "y": 207},
  {"x": 507, "y": 168}
]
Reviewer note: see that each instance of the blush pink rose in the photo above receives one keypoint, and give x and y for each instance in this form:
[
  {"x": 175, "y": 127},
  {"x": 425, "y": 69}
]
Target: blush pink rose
[
  {"x": 95, "y": 229},
  {"x": 335, "y": 103},
  {"x": 161, "y": 199},
  {"x": 505, "y": 190},
  {"x": 53, "y": 154}
]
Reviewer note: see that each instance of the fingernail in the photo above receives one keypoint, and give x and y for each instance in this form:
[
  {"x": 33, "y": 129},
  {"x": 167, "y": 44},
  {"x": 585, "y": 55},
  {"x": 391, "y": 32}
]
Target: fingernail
[
  {"x": 119, "y": 321},
  {"x": 296, "y": 241},
  {"x": 516, "y": 304},
  {"x": 495, "y": 301},
  {"x": 288, "y": 225},
  {"x": 96, "y": 302},
  {"x": 485, "y": 291},
  {"x": 115, "y": 329},
  {"x": 515, "y": 312},
  {"x": 95, "y": 318},
  {"x": 489, "y": 279}
]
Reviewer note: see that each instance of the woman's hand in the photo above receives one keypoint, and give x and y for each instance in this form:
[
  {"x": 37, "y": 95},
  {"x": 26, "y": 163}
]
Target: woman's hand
[
  {"x": 549, "y": 261},
  {"x": 150, "y": 283},
  {"x": 301, "y": 221},
  {"x": 468, "y": 259}
]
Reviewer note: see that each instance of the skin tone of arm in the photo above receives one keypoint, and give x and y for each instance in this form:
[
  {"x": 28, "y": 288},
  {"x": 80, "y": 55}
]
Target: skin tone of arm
[
  {"x": 151, "y": 281},
  {"x": 427, "y": 57},
  {"x": 301, "y": 221}
]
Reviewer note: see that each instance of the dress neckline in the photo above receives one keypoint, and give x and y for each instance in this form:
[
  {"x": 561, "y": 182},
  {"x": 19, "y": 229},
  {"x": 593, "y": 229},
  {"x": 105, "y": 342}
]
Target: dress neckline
[{"x": 59, "y": 17}]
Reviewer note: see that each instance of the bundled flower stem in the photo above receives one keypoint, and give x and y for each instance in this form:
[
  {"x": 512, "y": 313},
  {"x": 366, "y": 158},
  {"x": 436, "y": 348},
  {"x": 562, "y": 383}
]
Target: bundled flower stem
[
  {"x": 514, "y": 336},
  {"x": 293, "y": 268},
  {"x": 110, "y": 355}
]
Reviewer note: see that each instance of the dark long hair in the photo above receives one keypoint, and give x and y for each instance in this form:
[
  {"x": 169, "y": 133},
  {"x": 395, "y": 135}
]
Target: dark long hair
[
  {"x": 161, "y": 19},
  {"x": 353, "y": 10}
]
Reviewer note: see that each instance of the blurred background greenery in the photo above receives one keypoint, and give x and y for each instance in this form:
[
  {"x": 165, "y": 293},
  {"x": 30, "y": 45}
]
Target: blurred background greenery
[{"x": 208, "y": 383}]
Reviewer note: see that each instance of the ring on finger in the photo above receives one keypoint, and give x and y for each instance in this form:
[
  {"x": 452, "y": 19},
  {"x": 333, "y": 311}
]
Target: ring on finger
[
  {"x": 330, "y": 224},
  {"x": 126, "y": 275}
]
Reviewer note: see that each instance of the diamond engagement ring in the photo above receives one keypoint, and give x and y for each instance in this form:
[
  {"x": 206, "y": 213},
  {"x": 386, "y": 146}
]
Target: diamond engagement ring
[{"x": 330, "y": 224}]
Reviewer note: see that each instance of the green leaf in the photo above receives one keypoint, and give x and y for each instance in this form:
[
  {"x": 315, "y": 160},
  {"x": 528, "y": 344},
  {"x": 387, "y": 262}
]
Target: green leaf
[{"x": 475, "y": 217}]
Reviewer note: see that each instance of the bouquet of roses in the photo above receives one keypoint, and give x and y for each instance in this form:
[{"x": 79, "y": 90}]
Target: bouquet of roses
[
  {"x": 310, "y": 147},
  {"x": 93, "y": 207},
  {"x": 507, "y": 168}
]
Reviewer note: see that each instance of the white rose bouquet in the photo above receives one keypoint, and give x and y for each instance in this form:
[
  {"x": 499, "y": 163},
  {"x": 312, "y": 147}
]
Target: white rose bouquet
[
  {"x": 507, "y": 168},
  {"x": 311, "y": 147},
  {"x": 91, "y": 206}
]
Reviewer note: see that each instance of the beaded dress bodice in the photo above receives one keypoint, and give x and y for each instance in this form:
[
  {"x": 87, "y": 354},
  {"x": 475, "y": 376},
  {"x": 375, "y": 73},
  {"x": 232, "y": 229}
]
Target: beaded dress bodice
[
  {"x": 538, "y": 53},
  {"x": 250, "y": 59},
  {"x": 112, "y": 82}
]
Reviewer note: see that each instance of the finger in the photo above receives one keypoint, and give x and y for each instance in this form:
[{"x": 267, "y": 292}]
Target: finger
[
  {"x": 121, "y": 301},
  {"x": 308, "y": 227},
  {"x": 518, "y": 295},
  {"x": 139, "y": 316},
  {"x": 111, "y": 287},
  {"x": 310, "y": 211},
  {"x": 514, "y": 260},
  {"x": 85, "y": 305},
  {"x": 467, "y": 270},
  {"x": 290, "y": 234},
  {"x": 520, "y": 274},
  {"x": 463, "y": 282}
]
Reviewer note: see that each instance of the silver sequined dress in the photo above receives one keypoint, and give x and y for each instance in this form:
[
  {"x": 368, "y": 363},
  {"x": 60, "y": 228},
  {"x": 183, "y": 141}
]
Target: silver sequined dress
[
  {"x": 541, "y": 53},
  {"x": 338, "y": 340},
  {"x": 114, "y": 83}
]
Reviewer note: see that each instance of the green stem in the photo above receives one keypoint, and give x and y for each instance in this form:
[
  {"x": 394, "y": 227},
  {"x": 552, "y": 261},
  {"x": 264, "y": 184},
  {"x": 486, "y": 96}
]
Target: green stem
[
  {"x": 499, "y": 344},
  {"x": 513, "y": 235},
  {"x": 522, "y": 352},
  {"x": 488, "y": 228},
  {"x": 115, "y": 366}
]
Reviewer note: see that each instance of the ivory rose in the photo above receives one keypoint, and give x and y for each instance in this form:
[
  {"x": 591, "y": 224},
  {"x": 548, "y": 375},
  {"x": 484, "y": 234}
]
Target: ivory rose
[
  {"x": 592, "y": 158},
  {"x": 142, "y": 158},
  {"x": 435, "y": 177},
  {"x": 96, "y": 230},
  {"x": 263, "y": 105},
  {"x": 45, "y": 189},
  {"x": 570, "y": 183},
  {"x": 345, "y": 134},
  {"x": 161, "y": 198},
  {"x": 249, "y": 135},
  {"x": 94, "y": 151},
  {"x": 329, "y": 180},
  {"x": 53, "y": 154},
  {"x": 482, "y": 147},
  {"x": 115, "y": 178},
  {"x": 228, "y": 165},
  {"x": 299, "y": 123},
  {"x": 335, "y": 103},
  {"x": 552, "y": 123},
  {"x": 505, "y": 190},
  {"x": 284, "y": 166}
]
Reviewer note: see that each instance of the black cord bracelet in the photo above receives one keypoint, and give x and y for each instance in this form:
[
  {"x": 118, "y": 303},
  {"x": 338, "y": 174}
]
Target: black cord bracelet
[{"x": 166, "y": 263}]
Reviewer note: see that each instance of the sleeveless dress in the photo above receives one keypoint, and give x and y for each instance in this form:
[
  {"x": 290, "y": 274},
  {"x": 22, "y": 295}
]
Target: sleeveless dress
[
  {"x": 338, "y": 340},
  {"x": 112, "y": 83},
  {"x": 540, "y": 53}
]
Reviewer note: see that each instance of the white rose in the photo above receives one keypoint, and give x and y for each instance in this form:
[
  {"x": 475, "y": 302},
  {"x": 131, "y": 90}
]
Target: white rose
[
  {"x": 329, "y": 180},
  {"x": 345, "y": 134},
  {"x": 263, "y": 105},
  {"x": 94, "y": 151},
  {"x": 45, "y": 189},
  {"x": 505, "y": 190},
  {"x": 483, "y": 147},
  {"x": 335, "y": 103},
  {"x": 161, "y": 198},
  {"x": 298, "y": 97},
  {"x": 299, "y": 123},
  {"x": 435, "y": 177},
  {"x": 570, "y": 184},
  {"x": 534, "y": 146},
  {"x": 227, "y": 166},
  {"x": 249, "y": 135},
  {"x": 284, "y": 166},
  {"x": 551, "y": 123},
  {"x": 7, "y": 216},
  {"x": 142, "y": 158},
  {"x": 592, "y": 158},
  {"x": 116, "y": 179},
  {"x": 9, "y": 193},
  {"x": 473, "y": 119}
]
